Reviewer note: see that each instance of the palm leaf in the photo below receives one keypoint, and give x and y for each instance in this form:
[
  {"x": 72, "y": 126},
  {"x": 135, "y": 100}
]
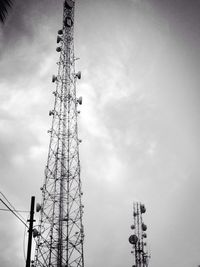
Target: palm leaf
[{"x": 5, "y": 5}]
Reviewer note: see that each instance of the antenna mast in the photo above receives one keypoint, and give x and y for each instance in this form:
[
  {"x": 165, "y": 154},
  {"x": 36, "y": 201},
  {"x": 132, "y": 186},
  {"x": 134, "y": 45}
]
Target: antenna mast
[
  {"x": 137, "y": 239},
  {"x": 59, "y": 237}
]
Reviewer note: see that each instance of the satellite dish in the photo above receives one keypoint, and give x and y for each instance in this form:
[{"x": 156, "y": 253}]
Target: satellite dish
[
  {"x": 60, "y": 32},
  {"x": 58, "y": 49},
  {"x": 35, "y": 233},
  {"x": 78, "y": 75},
  {"x": 144, "y": 227},
  {"x": 54, "y": 78},
  {"x": 142, "y": 208},
  {"x": 51, "y": 112},
  {"x": 69, "y": 4},
  {"x": 144, "y": 235},
  {"x": 132, "y": 226},
  {"x": 133, "y": 239},
  {"x": 59, "y": 39},
  {"x": 68, "y": 22},
  {"x": 80, "y": 100},
  {"x": 38, "y": 207}
]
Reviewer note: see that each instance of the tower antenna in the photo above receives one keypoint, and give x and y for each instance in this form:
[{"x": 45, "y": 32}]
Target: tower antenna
[
  {"x": 59, "y": 237},
  {"x": 139, "y": 236}
]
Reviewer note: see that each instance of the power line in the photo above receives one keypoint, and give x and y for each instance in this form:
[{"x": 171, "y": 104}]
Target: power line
[
  {"x": 13, "y": 212},
  {"x": 12, "y": 206}
]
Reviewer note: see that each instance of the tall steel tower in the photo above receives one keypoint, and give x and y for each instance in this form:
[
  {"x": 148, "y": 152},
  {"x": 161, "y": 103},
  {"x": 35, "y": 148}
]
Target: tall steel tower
[
  {"x": 59, "y": 236},
  {"x": 137, "y": 239}
]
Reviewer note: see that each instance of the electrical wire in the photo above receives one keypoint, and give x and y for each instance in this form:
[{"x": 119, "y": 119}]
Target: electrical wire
[
  {"x": 24, "y": 243},
  {"x": 15, "y": 210},
  {"x": 12, "y": 206},
  {"x": 16, "y": 215}
]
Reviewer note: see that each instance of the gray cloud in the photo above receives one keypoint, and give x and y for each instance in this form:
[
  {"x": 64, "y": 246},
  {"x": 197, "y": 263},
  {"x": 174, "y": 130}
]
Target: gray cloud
[{"x": 139, "y": 122}]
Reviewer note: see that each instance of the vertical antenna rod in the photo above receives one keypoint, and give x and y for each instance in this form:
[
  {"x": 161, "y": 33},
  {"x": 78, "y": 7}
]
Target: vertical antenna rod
[{"x": 59, "y": 238}]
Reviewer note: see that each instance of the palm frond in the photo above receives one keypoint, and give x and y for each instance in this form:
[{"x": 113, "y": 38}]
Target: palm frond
[{"x": 5, "y": 5}]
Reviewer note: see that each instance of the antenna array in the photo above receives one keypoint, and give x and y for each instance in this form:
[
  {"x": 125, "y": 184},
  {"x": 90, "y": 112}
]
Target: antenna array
[{"x": 59, "y": 237}]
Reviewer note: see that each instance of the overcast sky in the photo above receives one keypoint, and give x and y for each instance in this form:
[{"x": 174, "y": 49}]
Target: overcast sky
[{"x": 139, "y": 122}]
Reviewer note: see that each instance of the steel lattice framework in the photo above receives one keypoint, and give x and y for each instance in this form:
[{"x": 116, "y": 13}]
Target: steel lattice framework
[
  {"x": 59, "y": 237},
  {"x": 137, "y": 239}
]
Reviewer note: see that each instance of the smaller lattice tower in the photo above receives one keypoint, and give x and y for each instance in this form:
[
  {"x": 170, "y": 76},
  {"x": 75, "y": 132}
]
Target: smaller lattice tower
[{"x": 138, "y": 237}]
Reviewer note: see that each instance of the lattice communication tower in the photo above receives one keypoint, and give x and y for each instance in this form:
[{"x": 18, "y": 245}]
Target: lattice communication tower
[
  {"x": 139, "y": 236},
  {"x": 59, "y": 236}
]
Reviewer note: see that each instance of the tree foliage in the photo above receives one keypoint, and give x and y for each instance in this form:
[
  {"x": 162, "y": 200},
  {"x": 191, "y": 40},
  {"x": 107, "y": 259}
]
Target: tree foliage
[{"x": 5, "y": 5}]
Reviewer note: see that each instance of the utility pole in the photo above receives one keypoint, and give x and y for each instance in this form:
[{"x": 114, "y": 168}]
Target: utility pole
[{"x": 30, "y": 232}]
